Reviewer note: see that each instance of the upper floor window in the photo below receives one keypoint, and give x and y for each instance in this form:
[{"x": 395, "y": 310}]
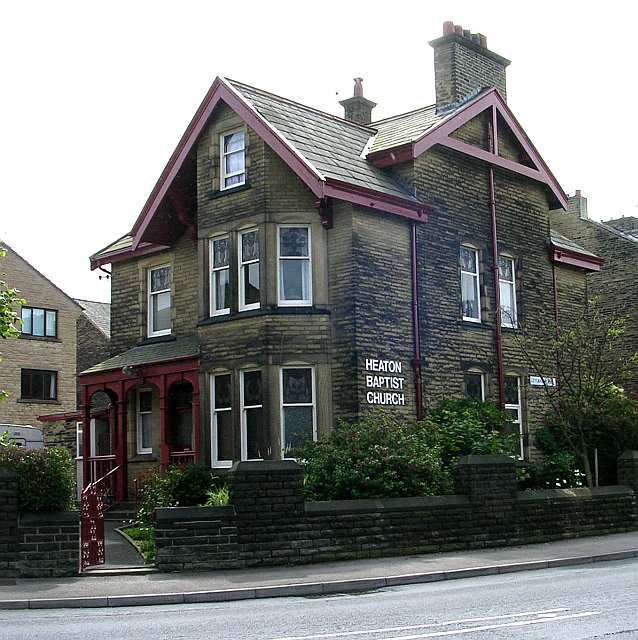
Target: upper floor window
[
  {"x": 474, "y": 383},
  {"x": 37, "y": 384},
  {"x": 507, "y": 287},
  {"x": 159, "y": 301},
  {"x": 470, "y": 285},
  {"x": 513, "y": 407},
  {"x": 222, "y": 420},
  {"x": 233, "y": 159},
  {"x": 249, "y": 270},
  {"x": 220, "y": 276},
  {"x": 39, "y": 322},
  {"x": 298, "y": 424},
  {"x": 294, "y": 266}
]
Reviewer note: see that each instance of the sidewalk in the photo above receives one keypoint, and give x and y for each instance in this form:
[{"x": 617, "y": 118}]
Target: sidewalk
[{"x": 333, "y": 577}]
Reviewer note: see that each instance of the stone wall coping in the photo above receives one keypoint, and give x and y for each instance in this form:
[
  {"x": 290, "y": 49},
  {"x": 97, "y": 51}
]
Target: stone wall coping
[
  {"x": 628, "y": 455},
  {"x": 576, "y": 493},
  {"x": 165, "y": 514},
  {"x": 7, "y": 473},
  {"x": 478, "y": 460},
  {"x": 262, "y": 466},
  {"x": 384, "y": 504},
  {"x": 49, "y": 518}
]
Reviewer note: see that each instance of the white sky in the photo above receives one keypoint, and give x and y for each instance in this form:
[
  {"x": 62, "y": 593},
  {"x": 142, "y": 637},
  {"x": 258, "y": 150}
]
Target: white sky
[{"x": 95, "y": 96}]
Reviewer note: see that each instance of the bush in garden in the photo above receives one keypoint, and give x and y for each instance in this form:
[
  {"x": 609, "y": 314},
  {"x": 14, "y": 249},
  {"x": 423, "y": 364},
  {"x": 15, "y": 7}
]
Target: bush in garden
[
  {"x": 46, "y": 477},
  {"x": 464, "y": 427},
  {"x": 380, "y": 456},
  {"x": 556, "y": 471}
]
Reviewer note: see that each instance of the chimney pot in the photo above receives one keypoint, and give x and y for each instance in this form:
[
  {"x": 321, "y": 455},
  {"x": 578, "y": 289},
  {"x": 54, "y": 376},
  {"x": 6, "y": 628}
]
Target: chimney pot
[
  {"x": 448, "y": 28},
  {"x": 482, "y": 40},
  {"x": 458, "y": 29},
  {"x": 358, "y": 87},
  {"x": 357, "y": 108}
]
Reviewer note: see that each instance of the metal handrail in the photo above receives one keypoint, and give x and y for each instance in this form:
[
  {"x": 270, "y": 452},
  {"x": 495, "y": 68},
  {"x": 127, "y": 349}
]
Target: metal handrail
[{"x": 95, "y": 483}]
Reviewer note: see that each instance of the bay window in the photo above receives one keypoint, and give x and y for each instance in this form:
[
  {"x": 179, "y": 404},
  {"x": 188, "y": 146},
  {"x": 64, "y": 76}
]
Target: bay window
[
  {"x": 233, "y": 159},
  {"x": 145, "y": 421},
  {"x": 249, "y": 295},
  {"x": 220, "y": 276},
  {"x": 470, "y": 285},
  {"x": 513, "y": 408},
  {"x": 298, "y": 411},
  {"x": 222, "y": 421},
  {"x": 294, "y": 266},
  {"x": 507, "y": 288},
  {"x": 159, "y": 301},
  {"x": 254, "y": 441}
]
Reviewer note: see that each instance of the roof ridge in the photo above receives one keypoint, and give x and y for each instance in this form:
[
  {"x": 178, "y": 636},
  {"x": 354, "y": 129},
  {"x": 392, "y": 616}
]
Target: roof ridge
[
  {"x": 91, "y": 301},
  {"x": 369, "y": 129},
  {"x": 400, "y": 115}
]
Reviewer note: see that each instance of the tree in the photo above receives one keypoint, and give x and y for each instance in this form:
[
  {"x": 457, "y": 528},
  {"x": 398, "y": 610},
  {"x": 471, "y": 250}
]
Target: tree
[
  {"x": 9, "y": 301},
  {"x": 591, "y": 370}
]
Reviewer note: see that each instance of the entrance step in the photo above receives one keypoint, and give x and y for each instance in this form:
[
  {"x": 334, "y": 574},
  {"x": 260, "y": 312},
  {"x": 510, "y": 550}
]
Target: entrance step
[{"x": 119, "y": 571}]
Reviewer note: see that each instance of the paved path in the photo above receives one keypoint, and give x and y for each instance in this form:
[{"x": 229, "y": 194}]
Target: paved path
[
  {"x": 119, "y": 551},
  {"x": 308, "y": 579}
]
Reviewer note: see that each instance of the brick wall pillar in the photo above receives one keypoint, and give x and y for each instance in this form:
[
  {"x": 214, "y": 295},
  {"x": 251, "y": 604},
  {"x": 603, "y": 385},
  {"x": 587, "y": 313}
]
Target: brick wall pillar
[
  {"x": 628, "y": 469},
  {"x": 8, "y": 522},
  {"x": 486, "y": 477}
]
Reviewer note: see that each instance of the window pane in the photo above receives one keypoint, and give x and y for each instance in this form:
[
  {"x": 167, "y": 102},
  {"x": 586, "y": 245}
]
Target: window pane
[
  {"x": 224, "y": 422},
  {"x": 297, "y": 385},
  {"x": 146, "y": 431},
  {"x": 51, "y": 323},
  {"x": 146, "y": 401},
  {"x": 511, "y": 390},
  {"x": 249, "y": 246},
  {"x": 293, "y": 241},
  {"x": 162, "y": 311},
  {"x": 508, "y": 315},
  {"x": 294, "y": 279},
  {"x": 238, "y": 179},
  {"x": 298, "y": 426},
  {"x": 235, "y": 162},
  {"x": 252, "y": 388},
  {"x": 512, "y": 414},
  {"x": 52, "y": 386},
  {"x": 182, "y": 431},
  {"x": 234, "y": 141},
  {"x": 160, "y": 279},
  {"x": 79, "y": 439},
  {"x": 221, "y": 252},
  {"x": 251, "y": 283},
  {"x": 469, "y": 297},
  {"x": 222, "y": 289},
  {"x": 256, "y": 442},
  {"x": 102, "y": 435},
  {"x": 38, "y": 322},
  {"x": 505, "y": 269},
  {"x": 26, "y": 321},
  {"x": 223, "y": 399},
  {"x": 468, "y": 259},
  {"x": 474, "y": 386}
]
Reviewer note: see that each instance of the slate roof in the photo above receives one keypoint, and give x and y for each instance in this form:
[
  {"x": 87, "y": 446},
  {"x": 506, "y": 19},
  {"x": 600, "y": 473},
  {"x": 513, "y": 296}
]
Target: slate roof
[
  {"x": 99, "y": 313},
  {"x": 332, "y": 145},
  {"x": 404, "y": 128},
  {"x": 627, "y": 225},
  {"x": 150, "y": 353},
  {"x": 563, "y": 242}
]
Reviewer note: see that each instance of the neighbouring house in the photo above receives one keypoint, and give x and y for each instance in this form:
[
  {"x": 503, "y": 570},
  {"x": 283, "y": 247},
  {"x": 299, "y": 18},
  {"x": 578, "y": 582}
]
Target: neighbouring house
[
  {"x": 616, "y": 284},
  {"x": 291, "y": 267}
]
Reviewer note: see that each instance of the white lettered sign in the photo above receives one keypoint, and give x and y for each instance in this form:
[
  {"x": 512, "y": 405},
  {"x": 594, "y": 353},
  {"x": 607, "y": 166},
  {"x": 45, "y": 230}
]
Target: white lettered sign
[
  {"x": 385, "y": 382},
  {"x": 538, "y": 381}
]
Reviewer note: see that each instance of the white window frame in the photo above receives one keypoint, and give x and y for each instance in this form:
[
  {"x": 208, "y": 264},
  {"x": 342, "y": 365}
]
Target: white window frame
[
  {"x": 519, "y": 412},
  {"x": 149, "y": 304},
  {"x": 214, "y": 455},
  {"x": 243, "y": 407},
  {"x": 476, "y": 372},
  {"x": 138, "y": 413},
  {"x": 214, "y": 270},
  {"x": 294, "y": 303},
  {"x": 222, "y": 161},
  {"x": 79, "y": 435},
  {"x": 513, "y": 323},
  {"x": 313, "y": 404},
  {"x": 476, "y": 274},
  {"x": 242, "y": 305}
]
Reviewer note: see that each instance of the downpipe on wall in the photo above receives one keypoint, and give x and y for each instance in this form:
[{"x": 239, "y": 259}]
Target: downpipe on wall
[{"x": 416, "y": 333}]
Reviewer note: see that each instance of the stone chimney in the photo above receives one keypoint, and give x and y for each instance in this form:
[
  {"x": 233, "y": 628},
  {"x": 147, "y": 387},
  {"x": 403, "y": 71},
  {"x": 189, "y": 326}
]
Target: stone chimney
[
  {"x": 577, "y": 204},
  {"x": 358, "y": 109},
  {"x": 463, "y": 65}
]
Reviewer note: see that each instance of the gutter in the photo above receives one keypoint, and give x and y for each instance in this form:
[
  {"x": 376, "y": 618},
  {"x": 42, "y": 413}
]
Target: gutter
[{"x": 416, "y": 333}]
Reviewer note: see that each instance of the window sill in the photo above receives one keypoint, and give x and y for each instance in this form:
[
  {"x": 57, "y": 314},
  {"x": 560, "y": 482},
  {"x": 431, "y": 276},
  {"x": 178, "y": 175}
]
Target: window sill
[
  {"x": 267, "y": 311},
  {"x": 27, "y": 336},
  {"x": 36, "y": 401},
  {"x": 212, "y": 195},
  {"x": 156, "y": 339}
]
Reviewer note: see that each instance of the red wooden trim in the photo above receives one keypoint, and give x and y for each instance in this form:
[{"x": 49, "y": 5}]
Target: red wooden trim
[
  {"x": 389, "y": 157},
  {"x": 576, "y": 259},
  {"x": 60, "y": 417},
  {"x": 143, "y": 249},
  {"x": 175, "y": 365}
]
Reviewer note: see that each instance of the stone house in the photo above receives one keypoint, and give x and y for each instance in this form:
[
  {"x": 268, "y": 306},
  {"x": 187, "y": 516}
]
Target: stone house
[
  {"x": 616, "y": 284},
  {"x": 291, "y": 268}
]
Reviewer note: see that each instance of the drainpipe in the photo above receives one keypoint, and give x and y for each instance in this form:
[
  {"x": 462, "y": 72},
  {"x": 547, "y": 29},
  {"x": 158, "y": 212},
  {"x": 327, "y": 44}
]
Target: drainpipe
[
  {"x": 498, "y": 334},
  {"x": 416, "y": 333}
]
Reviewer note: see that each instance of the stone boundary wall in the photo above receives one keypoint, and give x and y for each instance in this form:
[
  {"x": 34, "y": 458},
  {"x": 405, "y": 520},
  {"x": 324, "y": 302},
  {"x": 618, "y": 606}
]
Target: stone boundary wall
[
  {"x": 269, "y": 524},
  {"x": 8, "y": 522}
]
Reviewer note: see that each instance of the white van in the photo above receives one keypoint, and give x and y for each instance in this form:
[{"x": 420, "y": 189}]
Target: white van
[{"x": 24, "y": 435}]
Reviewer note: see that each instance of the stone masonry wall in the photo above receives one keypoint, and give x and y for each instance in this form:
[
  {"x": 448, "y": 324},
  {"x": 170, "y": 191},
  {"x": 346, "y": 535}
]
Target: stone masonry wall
[{"x": 8, "y": 522}]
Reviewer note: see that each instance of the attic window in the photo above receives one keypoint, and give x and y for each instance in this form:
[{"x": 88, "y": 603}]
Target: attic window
[{"x": 233, "y": 159}]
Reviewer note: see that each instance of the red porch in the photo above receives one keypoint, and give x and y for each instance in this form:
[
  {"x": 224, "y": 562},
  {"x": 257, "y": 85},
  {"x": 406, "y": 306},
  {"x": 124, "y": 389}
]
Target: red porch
[{"x": 139, "y": 416}]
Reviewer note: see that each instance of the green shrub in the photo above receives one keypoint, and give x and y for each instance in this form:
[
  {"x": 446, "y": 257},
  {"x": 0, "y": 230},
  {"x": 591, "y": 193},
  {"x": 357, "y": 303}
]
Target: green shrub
[
  {"x": 379, "y": 456},
  {"x": 556, "y": 471},
  {"x": 144, "y": 538},
  {"x": 46, "y": 477},
  {"x": 218, "y": 497},
  {"x": 464, "y": 427}
]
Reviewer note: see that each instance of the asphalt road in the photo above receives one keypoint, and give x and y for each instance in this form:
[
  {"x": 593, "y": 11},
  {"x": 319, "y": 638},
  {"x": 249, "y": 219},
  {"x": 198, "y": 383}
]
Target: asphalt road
[{"x": 593, "y": 601}]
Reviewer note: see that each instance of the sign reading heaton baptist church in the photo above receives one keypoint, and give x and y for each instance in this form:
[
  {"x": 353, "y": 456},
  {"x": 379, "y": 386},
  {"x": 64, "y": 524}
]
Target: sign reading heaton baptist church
[{"x": 385, "y": 382}]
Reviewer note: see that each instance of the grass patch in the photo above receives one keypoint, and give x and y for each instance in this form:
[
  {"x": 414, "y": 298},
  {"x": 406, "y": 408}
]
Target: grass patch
[{"x": 144, "y": 538}]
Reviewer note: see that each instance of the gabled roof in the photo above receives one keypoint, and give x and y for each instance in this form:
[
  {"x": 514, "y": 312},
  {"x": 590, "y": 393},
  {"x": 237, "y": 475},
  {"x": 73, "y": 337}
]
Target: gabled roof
[
  {"x": 404, "y": 128},
  {"x": 99, "y": 313},
  {"x": 627, "y": 226}
]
